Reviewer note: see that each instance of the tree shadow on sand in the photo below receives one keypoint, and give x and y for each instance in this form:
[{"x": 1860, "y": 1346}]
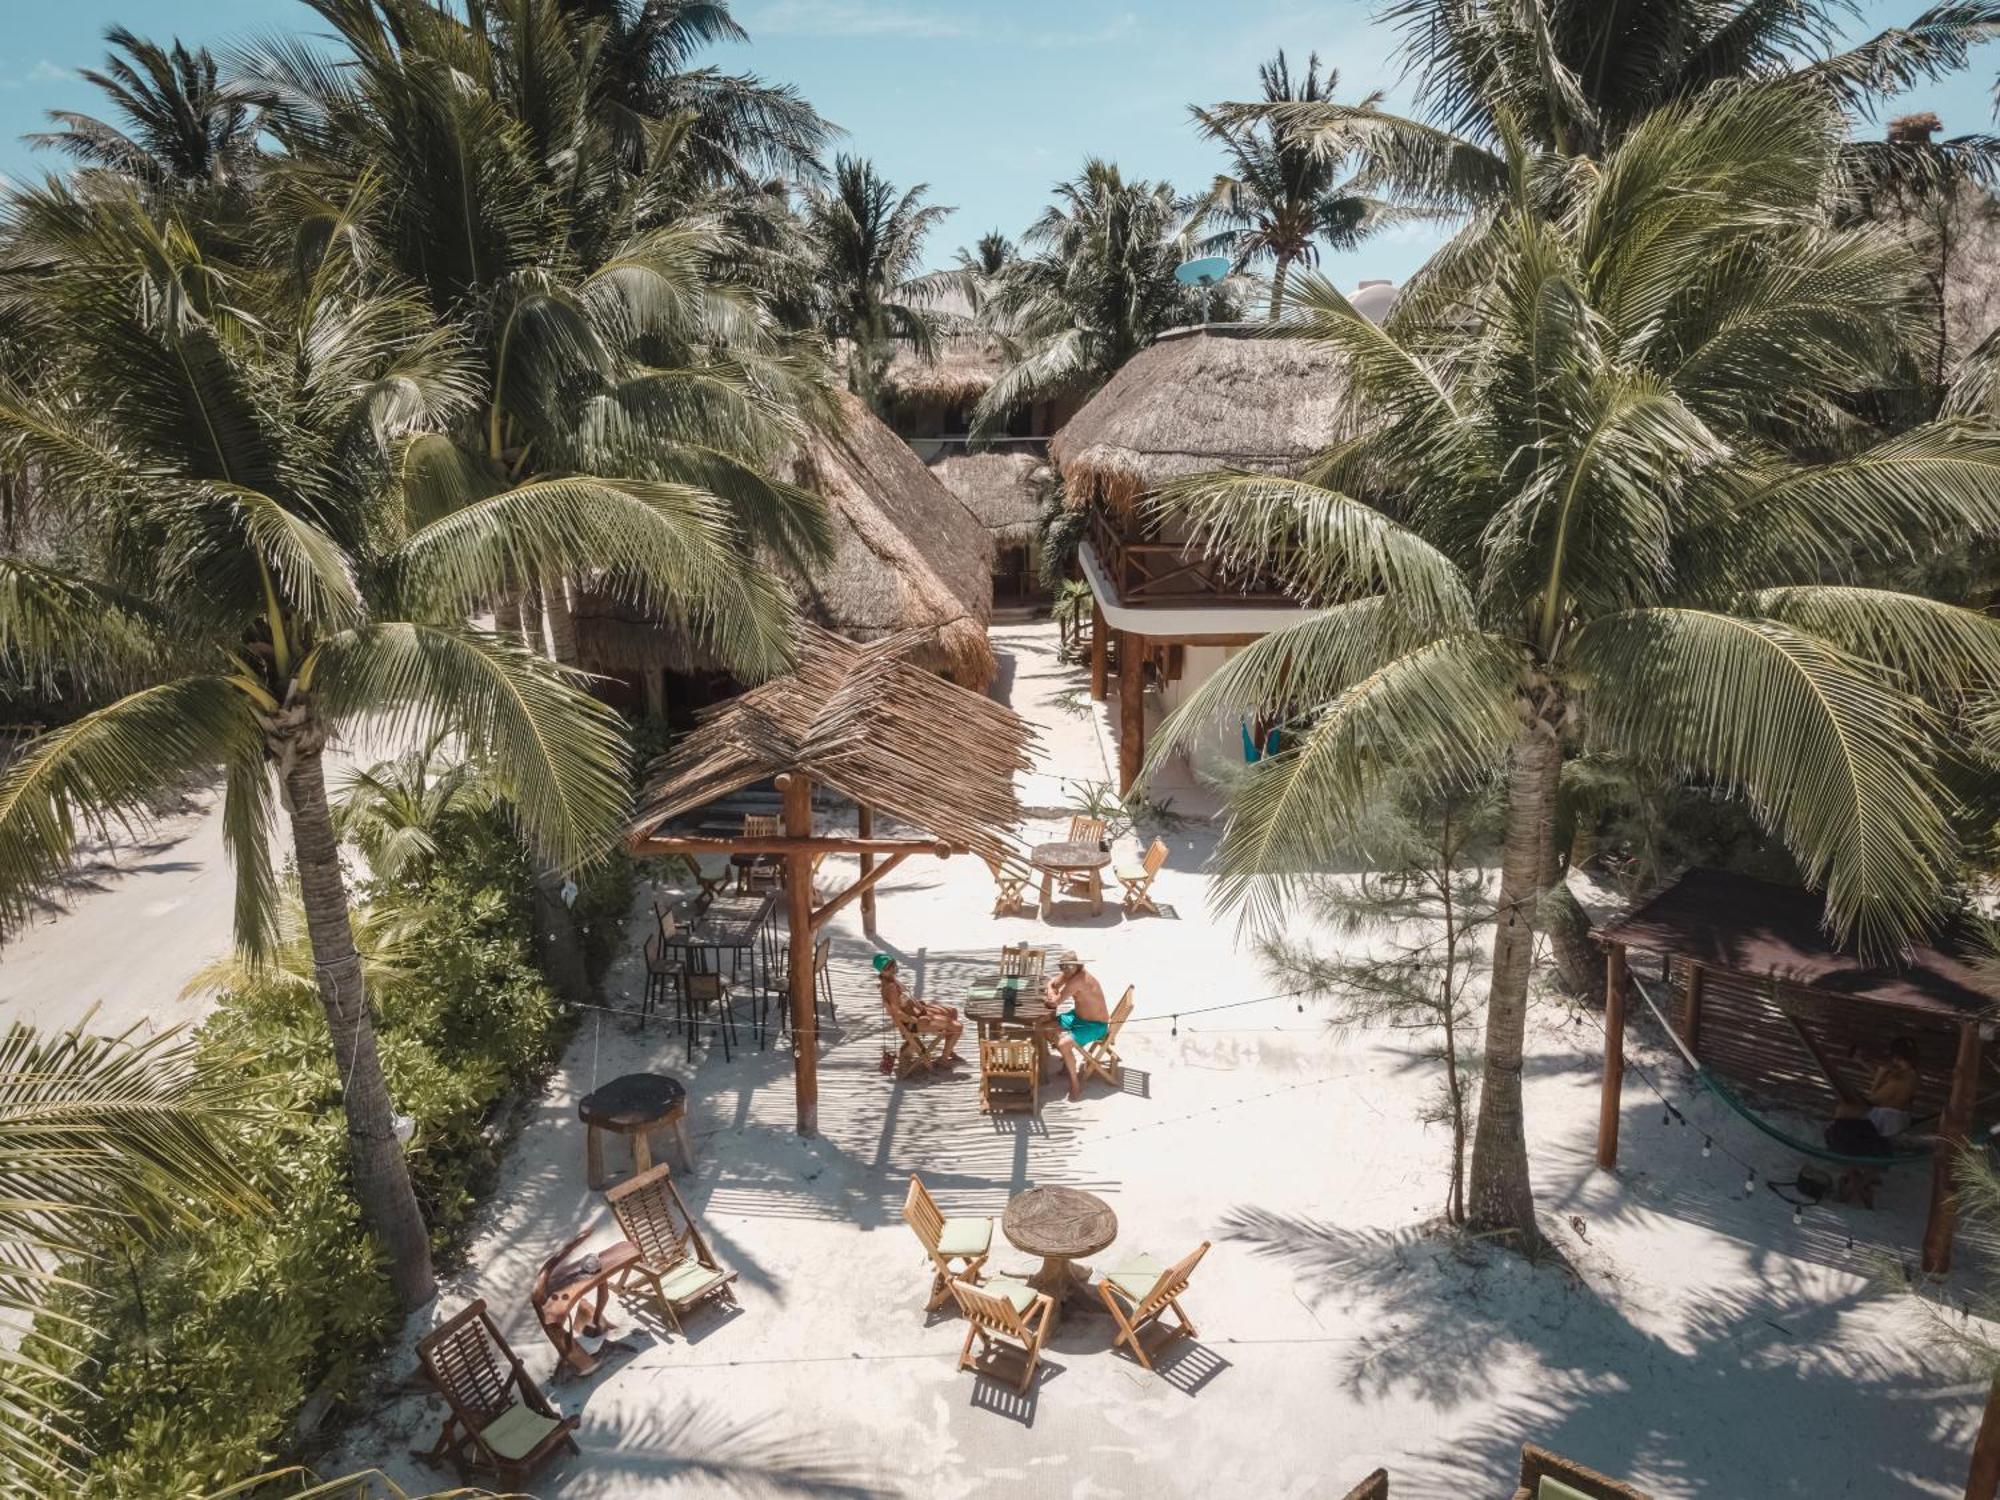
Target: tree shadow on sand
[{"x": 708, "y": 1450}]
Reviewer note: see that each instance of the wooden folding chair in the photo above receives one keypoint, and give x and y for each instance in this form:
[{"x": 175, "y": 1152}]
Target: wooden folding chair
[
  {"x": 1140, "y": 1293},
  {"x": 1015, "y": 1065},
  {"x": 1009, "y": 1319},
  {"x": 761, "y": 874},
  {"x": 965, "y": 1241},
  {"x": 1374, "y": 1487},
  {"x": 674, "y": 1263},
  {"x": 1101, "y": 1056},
  {"x": 1546, "y": 1475},
  {"x": 920, "y": 1052},
  {"x": 1084, "y": 829},
  {"x": 1022, "y": 962},
  {"x": 499, "y": 1419},
  {"x": 1010, "y": 887},
  {"x": 1137, "y": 880}
]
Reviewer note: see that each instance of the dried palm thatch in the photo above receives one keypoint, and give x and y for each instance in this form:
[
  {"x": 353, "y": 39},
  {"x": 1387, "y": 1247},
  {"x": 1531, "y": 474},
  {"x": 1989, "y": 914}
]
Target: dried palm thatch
[
  {"x": 908, "y": 555},
  {"x": 965, "y": 366},
  {"x": 867, "y": 722},
  {"x": 1216, "y": 397},
  {"x": 1004, "y": 490},
  {"x": 616, "y": 636}
]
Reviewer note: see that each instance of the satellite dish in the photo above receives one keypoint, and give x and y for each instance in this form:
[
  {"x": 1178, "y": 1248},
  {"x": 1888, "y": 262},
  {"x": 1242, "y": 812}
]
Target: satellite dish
[{"x": 1203, "y": 273}]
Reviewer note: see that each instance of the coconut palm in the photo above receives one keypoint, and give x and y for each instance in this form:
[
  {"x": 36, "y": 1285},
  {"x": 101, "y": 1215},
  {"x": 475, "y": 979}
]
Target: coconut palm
[
  {"x": 868, "y": 242},
  {"x": 1607, "y": 499},
  {"x": 1284, "y": 195},
  {"x": 274, "y": 558},
  {"x": 182, "y": 127},
  {"x": 98, "y": 1135},
  {"x": 1094, "y": 285},
  {"x": 399, "y": 812}
]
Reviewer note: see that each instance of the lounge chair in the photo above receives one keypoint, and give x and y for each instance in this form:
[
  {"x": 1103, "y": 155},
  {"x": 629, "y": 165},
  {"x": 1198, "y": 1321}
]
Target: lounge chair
[
  {"x": 1010, "y": 887},
  {"x": 1009, "y": 1319},
  {"x": 1015, "y": 1066},
  {"x": 1374, "y": 1487},
  {"x": 1101, "y": 1056},
  {"x": 1140, "y": 1292},
  {"x": 1137, "y": 880},
  {"x": 965, "y": 1242},
  {"x": 1550, "y": 1476},
  {"x": 674, "y": 1263},
  {"x": 499, "y": 1420}
]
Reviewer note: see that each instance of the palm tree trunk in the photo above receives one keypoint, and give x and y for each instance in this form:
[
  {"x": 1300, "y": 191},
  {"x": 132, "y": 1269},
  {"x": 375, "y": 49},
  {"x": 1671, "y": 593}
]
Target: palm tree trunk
[
  {"x": 1578, "y": 969},
  {"x": 1278, "y": 286},
  {"x": 381, "y": 1175},
  {"x": 530, "y": 621},
  {"x": 1501, "y": 1197}
]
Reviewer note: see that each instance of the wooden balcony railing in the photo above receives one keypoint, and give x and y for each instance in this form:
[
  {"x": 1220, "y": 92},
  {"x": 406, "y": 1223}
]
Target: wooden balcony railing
[{"x": 1163, "y": 574}]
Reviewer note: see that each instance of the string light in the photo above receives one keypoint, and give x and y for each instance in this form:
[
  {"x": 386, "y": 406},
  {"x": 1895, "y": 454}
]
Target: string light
[
  {"x": 1707, "y": 1148},
  {"x": 1749, "y": 1182}
]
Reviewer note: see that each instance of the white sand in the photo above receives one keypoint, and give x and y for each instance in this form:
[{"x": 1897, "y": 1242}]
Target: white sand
[{"x": 1705, "y": 1346}]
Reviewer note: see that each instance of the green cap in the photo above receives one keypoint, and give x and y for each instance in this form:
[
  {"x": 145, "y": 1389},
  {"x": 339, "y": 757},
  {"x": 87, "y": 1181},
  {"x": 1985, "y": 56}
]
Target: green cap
[{"x": 882, "y": 961}]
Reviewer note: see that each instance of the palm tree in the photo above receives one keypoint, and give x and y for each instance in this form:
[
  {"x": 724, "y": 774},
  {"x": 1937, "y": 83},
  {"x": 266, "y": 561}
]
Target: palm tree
[
  {"x": 1094, "y": 286},
  {"x": 400, "y": 812},
  {"x": 98, "y": 1134},
  {"x": 183, "y": 129},
  {"x": 868, "y": 243},
  {"x": 1607, "y": 500},
  {"x": 1283, "y": 194},
  {"x": 274, "y": 557}
]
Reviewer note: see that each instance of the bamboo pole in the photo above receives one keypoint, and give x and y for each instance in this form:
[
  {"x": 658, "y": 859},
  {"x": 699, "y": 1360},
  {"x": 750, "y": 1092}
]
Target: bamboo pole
[
  {"x": 864, "y": 826},
  {"x": 1691, "y": 1008},
  {"x": 1614, "y": 1057},
  {"x": 797, "y": 790},
  {"x": 1942, "y": 1223},
  {"x": 1131, "y": 709}
]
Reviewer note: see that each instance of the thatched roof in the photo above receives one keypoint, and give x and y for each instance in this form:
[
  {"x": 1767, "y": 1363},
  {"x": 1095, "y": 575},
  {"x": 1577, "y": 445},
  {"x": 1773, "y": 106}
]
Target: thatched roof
[
  {"x": 614, "y": 635},
  {"x": 965, "y": 366},
  {"x": 870, "y": 723},
  {"x": 908, "y": 555},
  {"x": 1003, "y": 489},
  {"x": 1201, "y": 398}
]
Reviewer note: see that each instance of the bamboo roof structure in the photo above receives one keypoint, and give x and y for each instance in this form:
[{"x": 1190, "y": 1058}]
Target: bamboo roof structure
[
  {"x": 868, "y": 722},
  {"x": 1224, "y": 395}
]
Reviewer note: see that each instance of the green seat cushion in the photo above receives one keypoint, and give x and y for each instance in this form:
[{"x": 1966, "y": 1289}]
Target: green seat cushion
[
  {"x": 1136, "y": 1275},
  {"x": 1552, "y": 1488},
  {"x": 966, "y": 1237},
  {"x": 688, "y": 1279},
  {"x": 517, "y": 1431},
  {"x": 1018, "y": 1293}
]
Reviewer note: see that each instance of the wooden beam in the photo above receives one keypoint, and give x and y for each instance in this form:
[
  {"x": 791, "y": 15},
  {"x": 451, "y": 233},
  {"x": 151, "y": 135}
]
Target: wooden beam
[
  {"x": 797, "y": 791},
  {"x": 1941, "y": 1225},
  {"x": 1131, "y": 709},
  {"x": 1824, "y": 1063},
  {"x": 1614, "y": 1057},
  {"x": 1691, "y": 1008},
  {"x": 1100, "y": 653},
  {"x": 862, "y": 888},
  {"x": 786, "y": 844},
  {"x": 1983, "y": 1482},
  {"x": 864, "y": 825}
]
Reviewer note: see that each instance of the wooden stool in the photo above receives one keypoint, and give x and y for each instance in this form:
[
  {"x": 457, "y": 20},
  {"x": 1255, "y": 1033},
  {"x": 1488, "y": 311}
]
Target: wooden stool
[{"x": 634, "y": 1105}]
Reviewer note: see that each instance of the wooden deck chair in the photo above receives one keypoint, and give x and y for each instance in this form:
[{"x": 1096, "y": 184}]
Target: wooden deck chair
[
  {"x": 1140, "y": 1293},
  {"x": 1101, "y": 1056},
  {"x": 1019, "y": 961},
  {"x": 920, "y": 1052},
  {"x": 1010, "y": 887},
  {"x": 1009, "y": 1319},
  {"x": 499, "y": 1419},
  {"x": 1550, "y": 1476},
  {"x": 1015, "y": 1066},
  {"x": 1374, "y": 1487},
  {"x": 957, "y": 1248},
  {"x": 1137, "y": 880},
  {"x": 674, "y": 1263}
]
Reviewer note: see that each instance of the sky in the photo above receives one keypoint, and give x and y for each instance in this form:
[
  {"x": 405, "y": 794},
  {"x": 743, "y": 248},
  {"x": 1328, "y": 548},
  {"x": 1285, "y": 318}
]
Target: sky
[{"x": 987, "y": 104}]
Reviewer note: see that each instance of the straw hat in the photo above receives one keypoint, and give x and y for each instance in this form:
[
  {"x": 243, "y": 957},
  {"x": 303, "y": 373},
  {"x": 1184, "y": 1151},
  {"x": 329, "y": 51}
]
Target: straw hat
[{"x": 1067, "y": 959}]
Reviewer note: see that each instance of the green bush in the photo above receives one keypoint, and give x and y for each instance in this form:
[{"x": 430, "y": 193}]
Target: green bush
[{"x": 213, "y": 1340}]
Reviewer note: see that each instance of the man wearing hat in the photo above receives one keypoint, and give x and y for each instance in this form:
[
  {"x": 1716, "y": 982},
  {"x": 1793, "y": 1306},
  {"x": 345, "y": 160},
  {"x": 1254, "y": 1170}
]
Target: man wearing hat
[
  {"x": 931, "y": 1020},
  {"x": 1087, "y": 1019}
]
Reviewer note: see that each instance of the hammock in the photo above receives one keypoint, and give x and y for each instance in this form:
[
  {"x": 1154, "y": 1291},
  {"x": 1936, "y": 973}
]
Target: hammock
[{"x": 1791, "y": 1142}]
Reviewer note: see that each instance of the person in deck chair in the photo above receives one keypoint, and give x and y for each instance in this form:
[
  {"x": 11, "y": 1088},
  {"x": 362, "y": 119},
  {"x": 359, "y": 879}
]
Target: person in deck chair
[
  {"x": 931, "y": 1020},
  {"x": 1085, "y": 1021}
]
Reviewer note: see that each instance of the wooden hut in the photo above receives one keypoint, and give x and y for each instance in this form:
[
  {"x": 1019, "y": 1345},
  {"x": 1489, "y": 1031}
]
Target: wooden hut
[
  {"x": 1006, "y": 488},
  {"x": 1219, "y": 396},
  {"x": 1758, "y": 994}
]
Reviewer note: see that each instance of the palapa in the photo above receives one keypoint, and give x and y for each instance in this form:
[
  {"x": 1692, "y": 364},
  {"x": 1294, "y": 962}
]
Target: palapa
[
  {"x": 1005, "y": 488},
  {"x": 966, "y": 364}
]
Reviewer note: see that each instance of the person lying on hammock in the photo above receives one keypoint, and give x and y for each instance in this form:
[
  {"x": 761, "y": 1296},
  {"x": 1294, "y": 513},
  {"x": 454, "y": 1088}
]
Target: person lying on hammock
[{"x": 1865, "y": 1125}]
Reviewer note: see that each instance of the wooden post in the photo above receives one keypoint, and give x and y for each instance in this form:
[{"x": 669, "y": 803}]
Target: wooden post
[
  {"x": 864, "y": 827},
  {"x": 1100, "y": 653},
  {"x": 1131, "y": 709},
  {"x": 797, "y": 790},
  {"x": 1691, "y": 1009},
  {"x": 1983, "y": 1483},
  {"x": 1942, "y": 1222},
  {"x": 654, "y": 681},
  {"x": 1614, "y": 1057}
]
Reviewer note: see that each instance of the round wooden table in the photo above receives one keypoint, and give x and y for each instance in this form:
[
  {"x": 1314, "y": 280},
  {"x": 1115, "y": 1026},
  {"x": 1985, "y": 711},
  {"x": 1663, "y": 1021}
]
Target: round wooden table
[
  {"x": 1059, "y": 1224},
  {"x": 633, "y": 1105},
  {"x": 1064, "y": 860}
]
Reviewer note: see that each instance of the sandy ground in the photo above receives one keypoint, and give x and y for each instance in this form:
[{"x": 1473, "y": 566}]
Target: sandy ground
[{"x": 1690, "y": 1335}]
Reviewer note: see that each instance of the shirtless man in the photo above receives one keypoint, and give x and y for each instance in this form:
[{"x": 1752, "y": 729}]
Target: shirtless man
[
  {"x": 1086, "y": 1021},
  {"x": 930, "y": 1020}
]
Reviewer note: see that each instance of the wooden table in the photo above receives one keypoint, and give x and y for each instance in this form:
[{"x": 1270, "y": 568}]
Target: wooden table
[
  {"x": 738, "y": 924},
  {"x": 562, "y": 1300},
  {"x": 1059, "y": 1224},
  {"x": 633, "y": 1105},
  {"x": 1063, "y": 860},
  {"x": 997, "y": 1005}
]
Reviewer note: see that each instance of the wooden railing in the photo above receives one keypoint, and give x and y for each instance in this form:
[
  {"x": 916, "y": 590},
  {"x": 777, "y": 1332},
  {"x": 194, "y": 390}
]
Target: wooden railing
[{"x": 1162, "y": 574}]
